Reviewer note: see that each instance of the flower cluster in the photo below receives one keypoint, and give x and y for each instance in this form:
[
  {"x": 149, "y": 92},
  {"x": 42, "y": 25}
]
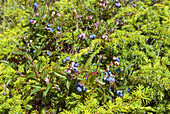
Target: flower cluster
[
  {"x": 119, "y": 93},
  {"x": 92, "y": 36},
  {"x": 66, "y": 59},
  {"x": 48, "y": 27},
  {"x": 80, "y": 87},
  {"x": 36, "y": 6},
  {"x": 82, "y": 36},
  {"x": 105, "y": 37},
  {"x": 116, "y": 60},
  {"x": 32, "y": 21},
  {"x": 109, "y": 77}
]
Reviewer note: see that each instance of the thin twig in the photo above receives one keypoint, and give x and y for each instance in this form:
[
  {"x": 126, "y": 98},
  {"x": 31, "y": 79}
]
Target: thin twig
[
  {"x": 159, "y": 50},
  {"x": 19, "y": 73},
  {"x": 34, "y": 68}
]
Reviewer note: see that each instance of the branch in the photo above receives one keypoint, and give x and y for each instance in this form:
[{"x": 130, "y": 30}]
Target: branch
[
  {"x": 34, "y": 67},
  {"x": 19, "y": 72}
]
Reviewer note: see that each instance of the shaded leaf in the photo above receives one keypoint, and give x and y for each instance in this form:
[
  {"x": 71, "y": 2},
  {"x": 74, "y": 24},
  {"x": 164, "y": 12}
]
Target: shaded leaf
[
  {"x": 88, "y": 62},
  {"x": 49, "y": 86},
  {"x": 3, "y": 61},
  {"x": 60, "y": 75},
  {"x": 68, "y": 84},
  {"x": 35, "y": 90}
]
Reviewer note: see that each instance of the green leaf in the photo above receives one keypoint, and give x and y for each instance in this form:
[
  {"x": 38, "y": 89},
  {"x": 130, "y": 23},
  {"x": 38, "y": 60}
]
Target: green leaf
[
  {"x": 128, "y": 67},
  {"x": 18, "y": 52},
  {"x": 38, "y": 52},
  {"x": 100, "y": 90},
  {"x": 92, "y": 78},
  {"x": 111, "y": 93},
  {"x": 105, "y": 97},
  {"x": 122, "y": 87},
  {"x": 49, "y": 86},
  {"x": 33, "y": 46},
  {"x": 37, "y": 66},
  {"x": 76, "y": 96},
  {"x": 88, "y": 62},
  {"x": 40, "y": 35},
  {"x": 36, "y": 90},
  {"x": 44, "y": 17},
  {"x": 3, "y": 61},
  {"x": 32, "y": 75},
  {"x": 60, "y": 75},
  {"x": 109, "y": 97},
  {"x": 11, "y": 79},
  {"x": 27, "y": 55},
  {"x": 68, "y": 84}
]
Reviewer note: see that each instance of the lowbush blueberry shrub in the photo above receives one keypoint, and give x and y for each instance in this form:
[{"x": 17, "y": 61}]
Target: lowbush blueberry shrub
[{"x": 112, "y": 57}]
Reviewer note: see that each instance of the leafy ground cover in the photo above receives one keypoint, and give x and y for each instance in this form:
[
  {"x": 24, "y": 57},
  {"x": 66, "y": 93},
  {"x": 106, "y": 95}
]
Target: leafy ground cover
[{"x": 78, "y": 56}]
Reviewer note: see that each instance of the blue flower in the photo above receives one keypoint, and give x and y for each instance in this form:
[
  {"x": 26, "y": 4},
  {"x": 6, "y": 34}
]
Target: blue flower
[
  {"x": 91, "y": 36},
  {"x": 106, "y": 74},
  {"x": 34, "y": 51},
  {"x": 78, "y": 51},
  {"x": 58, "y": 28},
  {"x": 67, "y": 58},
  {"x": 27, "y": 50},
  {"x": 110, "y": 89},
  {"x": 119, "y": 93},
  {"x": 76, "y": 64},
  {"x": 100, "y": 56},
  {"x": 89, "y": 10},
  {"x": 35, "y": 6},
  {"x": 94, "y": 36},
  {"x": 128, "y": 13},
  {"x": 118, "y": 70},
  {"x": 52, "y": 30},
  {"x": 86, "y": 77},
  {"x": 113, "y": 80},
  {"x": 128, "y": 89},
  {"x": 75, "y": 69},
  {"x": 77, "y": 84},
  {"x": 48, "y": 53},
  {"x": 48, "y": 28},
  {"x": 117, "y": 59},
  {"x": 84, "y": 88},
  {"x": 79, "y": 89},
  {"x": 31, "y": 20},
  {"x": 109, "y": 72},
  {"x": 48, "y": 25},
  {"x": 116, "y": 4},
  {"x": 63, "y": 61},
  {"x": 108, "y": 79}
]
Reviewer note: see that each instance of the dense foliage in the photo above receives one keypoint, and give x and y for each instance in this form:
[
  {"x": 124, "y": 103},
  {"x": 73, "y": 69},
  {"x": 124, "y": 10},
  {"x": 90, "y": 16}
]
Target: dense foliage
[{"x": 78, "y": 56}]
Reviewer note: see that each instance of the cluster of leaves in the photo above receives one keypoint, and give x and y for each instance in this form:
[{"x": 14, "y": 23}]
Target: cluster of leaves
[{"x": 91, "y": 33}]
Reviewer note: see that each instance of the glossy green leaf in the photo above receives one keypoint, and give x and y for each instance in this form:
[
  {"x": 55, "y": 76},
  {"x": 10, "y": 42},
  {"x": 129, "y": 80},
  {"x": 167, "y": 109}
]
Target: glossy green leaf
[
  {"x": 49, "y": 86},
  {"x": 68, "y": 84},
  {"x": 88, "y": 62},
  {"x": 60, "y": 75},
  {"x": 3, "y": 61},
  {"x": 36, "y": 90}
]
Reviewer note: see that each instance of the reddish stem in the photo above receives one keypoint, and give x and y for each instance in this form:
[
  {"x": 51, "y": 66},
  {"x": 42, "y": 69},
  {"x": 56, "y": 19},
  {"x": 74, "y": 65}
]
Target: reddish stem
[
  {"x": 19, "y": 72},
  {"x": 34, "y": 67}
]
